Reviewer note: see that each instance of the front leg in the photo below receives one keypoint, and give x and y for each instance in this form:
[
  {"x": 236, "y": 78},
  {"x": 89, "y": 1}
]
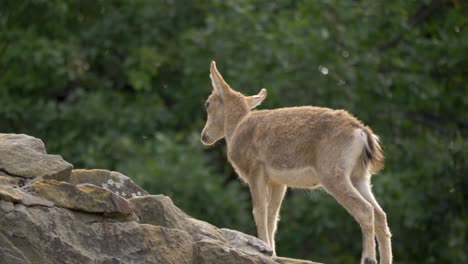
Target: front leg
[
  {"x": 276, "y": 194},
  {"x": 258, "y": 190}
]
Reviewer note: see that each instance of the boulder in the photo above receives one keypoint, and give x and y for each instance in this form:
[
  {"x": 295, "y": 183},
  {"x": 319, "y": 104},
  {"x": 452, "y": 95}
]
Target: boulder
[
  {"x": 162, "y": 233},
  {"x": 82, "y": 197},
  {"x": 10, "y": 194},
  {"x": 25, "y": 156},
  {"x": 100, "y": 216},
  {"x": 110, "y": 180},
  {"x": 213, "y": 245},
  {"x": 23, "y": 141},
  {"x": 58, "y": 235},
  {"x": 160, "y": 210}
]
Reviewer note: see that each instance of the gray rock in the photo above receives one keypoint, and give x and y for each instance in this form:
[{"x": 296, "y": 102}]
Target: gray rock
[
  {"x": 24, "y": 141},
  {"x": 25, "y": 156},
  {"x": 246, "y": 242},
  {"x": 170, "y": 245},
  {"x": 85, "y": 218},
  {"x": 5, "y": 207},
  {"x": 160, "y": 210},
  {"x": 58, "y": 235},
  {"x": 212, "y": 245},
  {"x": 10, "y": 254},
  {"x": 213, "y": 251}
]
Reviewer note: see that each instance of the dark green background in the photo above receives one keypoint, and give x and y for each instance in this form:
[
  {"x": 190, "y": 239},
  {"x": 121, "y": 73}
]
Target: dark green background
[{"x": 121, "y": 85}]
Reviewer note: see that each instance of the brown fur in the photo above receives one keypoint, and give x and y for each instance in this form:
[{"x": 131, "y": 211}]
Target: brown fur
[{"x": 302, "y": 147}]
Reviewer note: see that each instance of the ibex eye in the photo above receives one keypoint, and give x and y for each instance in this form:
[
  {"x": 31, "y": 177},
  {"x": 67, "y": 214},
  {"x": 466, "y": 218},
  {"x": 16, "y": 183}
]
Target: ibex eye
[{"x": 207, "y": 104}]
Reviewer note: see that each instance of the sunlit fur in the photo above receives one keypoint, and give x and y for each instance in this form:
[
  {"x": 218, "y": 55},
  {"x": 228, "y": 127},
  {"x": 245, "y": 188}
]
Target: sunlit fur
[{"x": 300, "y": 147}]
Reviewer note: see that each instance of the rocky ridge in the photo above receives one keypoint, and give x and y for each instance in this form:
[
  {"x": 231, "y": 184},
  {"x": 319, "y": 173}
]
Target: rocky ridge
[{"x": 50, "y": 213}]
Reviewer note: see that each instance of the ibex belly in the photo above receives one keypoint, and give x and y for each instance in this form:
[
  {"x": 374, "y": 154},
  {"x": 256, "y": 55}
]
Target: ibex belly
[{"x": 296, "y": 178}]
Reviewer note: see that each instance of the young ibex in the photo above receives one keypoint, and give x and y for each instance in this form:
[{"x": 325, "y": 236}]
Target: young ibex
[{"x": 302, "y": 147}]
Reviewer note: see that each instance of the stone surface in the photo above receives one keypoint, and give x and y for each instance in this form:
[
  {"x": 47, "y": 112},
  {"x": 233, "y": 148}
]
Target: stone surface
[
  {"x": 246, "y": 242},
  {"x": 170, "y": 245},
  {"x": 83, "y": 197},
  {"x": 10, "y": 194},
  {"x": 40, "y": 234},
  {"x": 282, "y": 260},
  {"x": 111, "y": 180},
  {"x": 24, "y": 141},
  {"x": 58, "y": 235},
  {"x": 85, "y": 218},
  {"x": 6, "y": 180},
  {"x": 213, "y": 251},
  {"x": 160, "y": 210},
  {"x": 10, "y": 254},
  {"x": 25, "y": 156}
]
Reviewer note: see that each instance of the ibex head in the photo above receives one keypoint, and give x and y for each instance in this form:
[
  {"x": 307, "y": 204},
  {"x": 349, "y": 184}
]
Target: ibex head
[{"x": 222, "y": 101}]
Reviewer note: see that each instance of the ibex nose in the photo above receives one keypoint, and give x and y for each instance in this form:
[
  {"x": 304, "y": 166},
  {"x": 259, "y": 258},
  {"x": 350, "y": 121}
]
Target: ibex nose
[{"x": 205, "y": 137}]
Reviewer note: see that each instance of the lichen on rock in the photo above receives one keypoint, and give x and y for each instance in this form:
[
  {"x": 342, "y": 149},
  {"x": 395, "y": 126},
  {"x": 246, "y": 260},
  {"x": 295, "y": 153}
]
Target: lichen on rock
[
  {"x": 83, "y": 197},
  {"x": 111, "y": 180}
]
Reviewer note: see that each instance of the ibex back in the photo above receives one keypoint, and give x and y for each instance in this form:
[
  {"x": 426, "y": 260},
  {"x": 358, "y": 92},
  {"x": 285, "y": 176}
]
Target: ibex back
[{"x": 301, "y": 147}]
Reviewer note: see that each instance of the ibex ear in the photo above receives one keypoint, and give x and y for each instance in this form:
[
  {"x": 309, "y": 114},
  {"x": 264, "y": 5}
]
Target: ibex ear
[
  {"x": 254, "y": 100},
  {"x": 219, "y": 85}
]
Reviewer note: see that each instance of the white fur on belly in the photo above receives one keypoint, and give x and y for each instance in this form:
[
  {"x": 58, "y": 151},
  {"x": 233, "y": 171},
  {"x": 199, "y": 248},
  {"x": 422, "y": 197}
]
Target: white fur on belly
[{"x": 297, "y": 178}]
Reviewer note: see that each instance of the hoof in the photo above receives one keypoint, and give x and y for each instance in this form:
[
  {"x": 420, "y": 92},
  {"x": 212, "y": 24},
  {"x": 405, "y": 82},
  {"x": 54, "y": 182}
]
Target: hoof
[{"x": 369, "y": 261}]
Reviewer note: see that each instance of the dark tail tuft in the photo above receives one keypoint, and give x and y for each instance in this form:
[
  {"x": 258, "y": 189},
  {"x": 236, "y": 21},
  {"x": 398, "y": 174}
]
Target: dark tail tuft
[{"x": 373, "y": 152}]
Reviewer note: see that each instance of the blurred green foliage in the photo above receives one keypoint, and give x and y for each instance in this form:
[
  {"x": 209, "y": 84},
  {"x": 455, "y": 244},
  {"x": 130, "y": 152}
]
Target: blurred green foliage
[{"x": 121, "y": 85}]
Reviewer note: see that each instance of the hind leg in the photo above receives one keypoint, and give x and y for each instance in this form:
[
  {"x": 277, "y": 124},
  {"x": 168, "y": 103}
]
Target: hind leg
[
  {"x": 381, "y": 226},
  {"x": 340, "y": 187}
]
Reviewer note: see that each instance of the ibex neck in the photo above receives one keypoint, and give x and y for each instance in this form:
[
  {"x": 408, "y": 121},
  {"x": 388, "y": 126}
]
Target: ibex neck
[{"x": 234, "y": 112}]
